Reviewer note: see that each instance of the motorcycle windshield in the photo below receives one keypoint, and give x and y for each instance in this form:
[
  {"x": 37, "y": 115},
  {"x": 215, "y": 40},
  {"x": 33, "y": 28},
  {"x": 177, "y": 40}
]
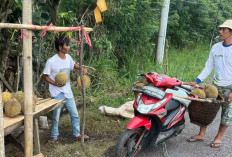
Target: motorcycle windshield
[{"x": 146, "y": 108}]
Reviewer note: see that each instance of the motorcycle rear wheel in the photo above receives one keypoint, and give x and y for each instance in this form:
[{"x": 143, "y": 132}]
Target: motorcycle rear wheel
[{"x": 128, "y": 145}]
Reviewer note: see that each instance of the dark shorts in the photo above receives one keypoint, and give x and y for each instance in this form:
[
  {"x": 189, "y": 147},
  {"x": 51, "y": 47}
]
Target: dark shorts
[{"x": 226, "y": 115}]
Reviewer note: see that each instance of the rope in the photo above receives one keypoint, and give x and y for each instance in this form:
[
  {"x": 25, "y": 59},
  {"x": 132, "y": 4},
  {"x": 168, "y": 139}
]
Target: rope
[
  {"x": 22, "y": 32},
  {"x": 44, "y": 31},
  {"x": 86, "y": 37}
]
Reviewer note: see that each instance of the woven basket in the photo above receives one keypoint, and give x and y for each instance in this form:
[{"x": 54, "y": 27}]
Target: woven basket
[{"x": 203, "y": 113}]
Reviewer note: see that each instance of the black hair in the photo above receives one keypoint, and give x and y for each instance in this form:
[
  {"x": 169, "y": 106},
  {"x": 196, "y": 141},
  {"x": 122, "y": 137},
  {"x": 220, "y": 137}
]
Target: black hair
[{"x": 60, "y": 41}]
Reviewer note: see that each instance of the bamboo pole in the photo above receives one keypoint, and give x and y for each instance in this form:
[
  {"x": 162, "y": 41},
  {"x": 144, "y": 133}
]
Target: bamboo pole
[
  {"x": 36, "y": 27},
  {"x": 28, "y": 87},
  {"x": 193, "y": 99},
  {"x": 83, "y": 87},
  {"x": 2, "y": 145}
]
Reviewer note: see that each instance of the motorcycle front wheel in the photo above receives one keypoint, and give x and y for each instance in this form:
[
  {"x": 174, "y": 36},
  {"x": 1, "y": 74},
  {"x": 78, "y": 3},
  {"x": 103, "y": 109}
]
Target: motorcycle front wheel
[{"x": 129, "y": 143}]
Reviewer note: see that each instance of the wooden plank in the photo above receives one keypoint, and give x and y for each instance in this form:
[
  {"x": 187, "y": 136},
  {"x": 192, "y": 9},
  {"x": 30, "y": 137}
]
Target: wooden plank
[
  {"x": 11, "y": 121},
  {"x": 46, "y": 107},
  {"x": 11, "y": 124},
  {"x": 11, "y": 128},
  {"x": 40, "y": 101}
]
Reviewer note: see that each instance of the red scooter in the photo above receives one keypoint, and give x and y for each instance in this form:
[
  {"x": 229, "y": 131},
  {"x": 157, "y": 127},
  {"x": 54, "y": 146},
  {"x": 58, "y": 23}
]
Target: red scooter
[{"x": 159, "y": 114}]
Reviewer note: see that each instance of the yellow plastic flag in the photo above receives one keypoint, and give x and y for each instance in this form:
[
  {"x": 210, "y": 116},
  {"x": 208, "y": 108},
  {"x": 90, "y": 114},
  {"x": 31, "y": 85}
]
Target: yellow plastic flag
[
  {"x": 102, "y": 5},
  {"x": 97, "y": 14}
]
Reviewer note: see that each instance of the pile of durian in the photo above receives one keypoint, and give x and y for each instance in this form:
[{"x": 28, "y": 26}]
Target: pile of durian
[
  {"x": 209, "y": 91},
  {"x": 13, "y": 103}
]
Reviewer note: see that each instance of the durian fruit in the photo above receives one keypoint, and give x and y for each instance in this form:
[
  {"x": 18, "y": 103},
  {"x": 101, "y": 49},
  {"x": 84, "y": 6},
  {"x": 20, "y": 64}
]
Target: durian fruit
[
  {"x": 199, "y": 92},
  {"x": 61, "y": 78},
  {"x": 5, "y": 97},
  {"x": 12, "y": 108},
  {"x": 20, "y": 97},
  {"x": 86, "y": 79},
  {"x": 211, "y": 91},
  {"x": 144, "y": 80},
  {"x": 139, "y": 85}
]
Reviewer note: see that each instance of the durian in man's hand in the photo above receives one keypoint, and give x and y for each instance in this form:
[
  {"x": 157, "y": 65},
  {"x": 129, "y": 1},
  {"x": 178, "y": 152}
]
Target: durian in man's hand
[
  {"x": 86, "y": 79},
  {"x": 61, "y": 78}
]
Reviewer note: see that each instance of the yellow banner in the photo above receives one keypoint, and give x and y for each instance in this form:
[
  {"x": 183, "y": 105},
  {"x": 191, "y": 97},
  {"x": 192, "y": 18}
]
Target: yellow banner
[
  {"x": 97, "y": 14},
  {"x": 102, "y": 5}
]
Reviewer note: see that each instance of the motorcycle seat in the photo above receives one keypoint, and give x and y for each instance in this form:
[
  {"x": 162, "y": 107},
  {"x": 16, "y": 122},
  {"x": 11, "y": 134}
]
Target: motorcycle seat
[
  {"x": 172, "y": 105},
  {"x": 170, "y": 116}
]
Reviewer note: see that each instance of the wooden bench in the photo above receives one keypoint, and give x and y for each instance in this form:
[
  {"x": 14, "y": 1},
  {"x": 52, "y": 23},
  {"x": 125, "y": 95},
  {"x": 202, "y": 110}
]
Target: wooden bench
[{"x": 43, "y": 106}]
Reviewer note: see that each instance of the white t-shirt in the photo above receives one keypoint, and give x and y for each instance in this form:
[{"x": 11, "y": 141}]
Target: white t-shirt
[
  {"x": 220, "y": 59},
  {"x": 53, "y": 66}
]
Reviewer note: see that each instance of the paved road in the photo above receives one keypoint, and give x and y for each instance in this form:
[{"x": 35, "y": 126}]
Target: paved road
[{"x": 179, "y": 147}]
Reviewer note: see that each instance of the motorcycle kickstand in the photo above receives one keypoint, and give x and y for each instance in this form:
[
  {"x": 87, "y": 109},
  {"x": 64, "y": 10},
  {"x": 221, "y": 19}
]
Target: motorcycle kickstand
[{"x": 165, "y": 151}]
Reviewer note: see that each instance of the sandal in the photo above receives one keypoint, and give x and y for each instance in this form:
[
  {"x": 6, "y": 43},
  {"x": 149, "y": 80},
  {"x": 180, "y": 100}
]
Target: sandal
[
  {"x": 215, "y": 145},
  {"x": 78, "y": 138},
  {"x": 53, "y": 140},
  {"x": 193, "y": 139}
]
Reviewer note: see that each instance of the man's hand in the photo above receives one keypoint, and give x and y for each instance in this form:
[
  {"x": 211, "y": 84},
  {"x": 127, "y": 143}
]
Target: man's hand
[
  {"x": 46, "y": 78},
  {"x": 77, "y": 66},
  {"x": 59, "y": 85},
  {"x": 85, "y": 71},
  {"x": 230, "y": 97},
  {"x": 190, "y": 83}
]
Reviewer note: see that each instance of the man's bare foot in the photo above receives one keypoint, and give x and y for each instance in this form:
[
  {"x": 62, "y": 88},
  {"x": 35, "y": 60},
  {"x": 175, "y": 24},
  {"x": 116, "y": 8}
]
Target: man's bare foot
[{"x": 195, "y": 138}]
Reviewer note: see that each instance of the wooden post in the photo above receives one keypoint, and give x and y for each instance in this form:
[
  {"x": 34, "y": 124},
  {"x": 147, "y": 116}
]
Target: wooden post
[
  {"x": 83, "y": 87},
  {"x": 162, "y": 31},
  {"x": 36, "y": 136},
  {"x": 2, "y": 145},
  {"x": 28, "y": 87}
]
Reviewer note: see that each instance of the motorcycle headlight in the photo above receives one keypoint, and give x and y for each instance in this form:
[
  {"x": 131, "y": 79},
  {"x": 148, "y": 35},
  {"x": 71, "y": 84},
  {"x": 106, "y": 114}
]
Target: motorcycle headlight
[{"x": 144, "y": 109}]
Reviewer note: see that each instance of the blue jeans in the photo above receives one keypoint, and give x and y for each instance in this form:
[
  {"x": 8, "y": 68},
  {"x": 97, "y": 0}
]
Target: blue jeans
[{"x": 71, "y": 107}]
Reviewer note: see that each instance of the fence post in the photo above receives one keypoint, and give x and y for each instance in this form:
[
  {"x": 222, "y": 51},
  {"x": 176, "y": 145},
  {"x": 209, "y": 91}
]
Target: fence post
[{"x": 2, "y": 146}]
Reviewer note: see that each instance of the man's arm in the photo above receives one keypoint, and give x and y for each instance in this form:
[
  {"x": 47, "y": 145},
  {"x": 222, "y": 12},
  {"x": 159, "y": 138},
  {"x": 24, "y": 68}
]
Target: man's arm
[
  {"x": 230, "y": 96},
  {"x": 46, "y": 78},
  {"x": 76, "y": 66}
]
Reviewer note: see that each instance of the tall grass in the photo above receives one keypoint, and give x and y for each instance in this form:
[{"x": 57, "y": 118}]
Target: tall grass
[{"x": 187, "y": 64}]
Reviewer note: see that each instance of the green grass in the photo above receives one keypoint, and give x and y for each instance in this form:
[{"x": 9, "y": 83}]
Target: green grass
[
  {"x": 103, "y": 131},
  {"x": 186, "y": 65}
]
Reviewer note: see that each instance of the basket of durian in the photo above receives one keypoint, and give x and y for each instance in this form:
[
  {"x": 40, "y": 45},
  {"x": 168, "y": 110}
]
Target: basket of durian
[
  {"x": 203, "y": 113},
  {"x": 13, "y": 103}
]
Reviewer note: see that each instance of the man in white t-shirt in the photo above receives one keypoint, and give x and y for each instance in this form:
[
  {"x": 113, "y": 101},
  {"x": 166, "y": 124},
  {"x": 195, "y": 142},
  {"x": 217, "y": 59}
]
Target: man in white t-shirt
[
  {"x": 220, "y": 59},
  {"x": 62, "y": 62}
]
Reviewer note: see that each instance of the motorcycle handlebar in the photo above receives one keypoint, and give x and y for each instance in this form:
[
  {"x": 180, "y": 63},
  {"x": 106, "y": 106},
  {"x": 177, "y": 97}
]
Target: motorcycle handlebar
[{"x": 187, "y": 87}]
